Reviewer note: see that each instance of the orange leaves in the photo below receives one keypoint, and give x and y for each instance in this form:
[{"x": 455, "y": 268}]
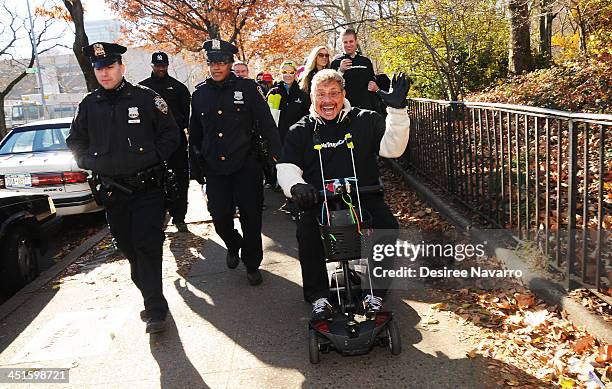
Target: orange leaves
[
  {"x": 266, "y": 29},
  {"x": 604, "y": 354},
  {"x": 54, "y": 12},
  {"x": 583, "y": 344},
  {"x": 531, "y": 336},
  {"x": 524, "y": 300},
  {"x": 559, "y": 87}
]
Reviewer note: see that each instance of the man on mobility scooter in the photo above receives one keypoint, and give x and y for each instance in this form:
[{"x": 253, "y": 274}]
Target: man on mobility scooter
[{"x": 300, "y": 172}]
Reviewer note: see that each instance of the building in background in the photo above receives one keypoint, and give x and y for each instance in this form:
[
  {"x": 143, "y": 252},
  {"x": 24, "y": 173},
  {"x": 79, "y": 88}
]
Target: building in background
[
  {"x": 103, "y": 30},
  {"x": 64, "y": 84}
]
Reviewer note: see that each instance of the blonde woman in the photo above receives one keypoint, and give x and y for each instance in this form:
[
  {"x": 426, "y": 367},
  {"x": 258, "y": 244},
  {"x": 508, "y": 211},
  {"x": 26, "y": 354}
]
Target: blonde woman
[{"x": 317, "y": 59}]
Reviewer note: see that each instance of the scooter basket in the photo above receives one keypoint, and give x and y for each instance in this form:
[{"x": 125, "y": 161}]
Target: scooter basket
[{"x": 344, "y": 242}]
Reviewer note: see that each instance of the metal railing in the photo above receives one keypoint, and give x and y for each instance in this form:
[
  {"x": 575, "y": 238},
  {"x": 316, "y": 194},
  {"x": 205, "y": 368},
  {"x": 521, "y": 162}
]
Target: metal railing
[{"x": 545, "y": 175}]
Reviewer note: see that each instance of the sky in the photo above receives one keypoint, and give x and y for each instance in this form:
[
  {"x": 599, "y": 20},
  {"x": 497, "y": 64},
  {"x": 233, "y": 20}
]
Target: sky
[{"x": 94, "y": 10}]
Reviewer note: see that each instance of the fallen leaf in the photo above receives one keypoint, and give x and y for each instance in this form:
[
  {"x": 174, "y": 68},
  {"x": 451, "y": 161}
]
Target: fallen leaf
[
  {"x": 604, "y": 354},
  {"x": 439, "y": 306},
  {"x": 583, "y": 344},
  {"x": 565, "y": 382},
  {"x": 524, "y": 300},
  {"x": 535, "y": 319},
  {"x": 472, "y": 353}
]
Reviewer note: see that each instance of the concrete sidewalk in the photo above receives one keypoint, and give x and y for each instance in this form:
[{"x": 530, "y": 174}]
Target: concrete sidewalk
[{"x": 222, "y": 332}]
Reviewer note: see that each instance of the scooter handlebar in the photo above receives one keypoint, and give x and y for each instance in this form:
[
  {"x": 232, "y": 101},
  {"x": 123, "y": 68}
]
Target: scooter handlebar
[{"x": 367, "y": 189}]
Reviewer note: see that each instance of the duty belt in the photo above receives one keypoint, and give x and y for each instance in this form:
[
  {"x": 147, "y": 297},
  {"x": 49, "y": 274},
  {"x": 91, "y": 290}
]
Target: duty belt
[{"x": 147, "y": 179}]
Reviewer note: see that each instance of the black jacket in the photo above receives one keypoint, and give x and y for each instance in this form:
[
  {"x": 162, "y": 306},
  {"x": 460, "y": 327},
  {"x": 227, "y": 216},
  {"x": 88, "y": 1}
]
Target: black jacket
[
  {"x": 293, "y": 106},
  {"x": 224, "y": 117},
  {"x": 356, "y": 79},
  {"x": 175, "y": 93},
  {"x": 367, "y": 129},
  {"x": 124, "y": 136}
]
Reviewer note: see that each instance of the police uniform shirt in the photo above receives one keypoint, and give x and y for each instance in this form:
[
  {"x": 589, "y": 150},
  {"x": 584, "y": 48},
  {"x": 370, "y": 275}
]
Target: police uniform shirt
[
  {"x": 356, "y": 80},
  {"x": 223, "y": 117},
  {"x": 367, "y": 129},
  {"x": 123, "y": 137},
  {"x": 175, "y": 94}
]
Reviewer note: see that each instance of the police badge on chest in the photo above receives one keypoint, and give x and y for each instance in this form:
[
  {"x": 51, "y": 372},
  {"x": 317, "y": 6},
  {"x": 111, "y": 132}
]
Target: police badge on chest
[
  {"x": 238, "y": 99},
  {"x": 133, "y": 115}
]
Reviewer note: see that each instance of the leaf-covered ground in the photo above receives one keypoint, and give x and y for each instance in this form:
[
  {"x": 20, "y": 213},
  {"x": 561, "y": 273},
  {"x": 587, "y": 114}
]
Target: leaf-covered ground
[
  {"x": 580, "y": 86},
  {"x": 511, "y": 325}
]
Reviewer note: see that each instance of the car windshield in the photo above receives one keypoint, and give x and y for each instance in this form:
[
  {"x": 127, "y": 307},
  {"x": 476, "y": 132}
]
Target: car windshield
[{"x": 35, "y": 140}]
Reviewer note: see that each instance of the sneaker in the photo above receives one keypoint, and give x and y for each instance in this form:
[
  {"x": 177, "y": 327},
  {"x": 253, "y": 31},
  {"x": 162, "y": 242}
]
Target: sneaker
[
  {"x": 255, "y": 278},
  {"x": 181, "y": 226},
  {"x": 321, "y": 309},
  {"x": 372, "y": 304},
  {"x": 155, "y": 326},
  {"x": 232, "y": 260}
]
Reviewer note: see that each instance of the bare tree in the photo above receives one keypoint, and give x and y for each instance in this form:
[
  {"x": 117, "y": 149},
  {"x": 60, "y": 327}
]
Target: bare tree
[{"x": 10, "y": 37}]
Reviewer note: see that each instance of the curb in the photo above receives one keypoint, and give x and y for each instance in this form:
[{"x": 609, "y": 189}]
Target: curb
[
  {"x": 550, "y": 292},
  {"x": 28, "y": 291}
]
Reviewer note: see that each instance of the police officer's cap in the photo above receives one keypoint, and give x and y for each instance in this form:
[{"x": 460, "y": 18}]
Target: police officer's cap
[
  {"x": 102, "y": 54},
  {"x": 218, "y": 50},
  {"x": 159, "y": 58}
]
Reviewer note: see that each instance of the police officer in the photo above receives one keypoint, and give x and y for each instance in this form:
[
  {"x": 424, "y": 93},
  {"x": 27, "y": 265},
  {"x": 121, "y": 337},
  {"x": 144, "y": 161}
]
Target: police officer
[
  {"x": 178, "y": 98},
  {"x": 123, "y": 133},
  {"x": 227, "y": 115}
]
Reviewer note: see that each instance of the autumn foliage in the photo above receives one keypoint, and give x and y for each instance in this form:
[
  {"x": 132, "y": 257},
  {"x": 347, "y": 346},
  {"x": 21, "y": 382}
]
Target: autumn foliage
[
  {"x": 268, "y": 30},
  {"x": 577, "y": 86}
]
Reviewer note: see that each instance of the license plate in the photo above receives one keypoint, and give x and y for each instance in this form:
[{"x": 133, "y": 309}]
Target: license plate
[{"x": 18, "y": 181}]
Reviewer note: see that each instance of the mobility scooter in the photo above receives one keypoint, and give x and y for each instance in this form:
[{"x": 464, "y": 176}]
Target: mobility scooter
[{"x": 345, "y": 231}]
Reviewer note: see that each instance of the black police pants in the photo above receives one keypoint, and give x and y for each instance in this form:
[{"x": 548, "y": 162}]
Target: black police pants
[
  {"x": 244, "y": 189},
  {"x": 179, "y": 163},
  {"x": 136, "y": 223},
  {"x": 312, "y": 257}
]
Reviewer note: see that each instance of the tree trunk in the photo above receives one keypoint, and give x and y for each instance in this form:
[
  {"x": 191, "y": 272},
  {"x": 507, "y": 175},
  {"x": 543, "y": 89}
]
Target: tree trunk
[
  {"x": 3, "y": 129},
  {"x": 546, "y": 19},
  {"x": 519, "y": 54},
  {"x": 582, "y": 29},
  {"x": 75, "y": 8}
]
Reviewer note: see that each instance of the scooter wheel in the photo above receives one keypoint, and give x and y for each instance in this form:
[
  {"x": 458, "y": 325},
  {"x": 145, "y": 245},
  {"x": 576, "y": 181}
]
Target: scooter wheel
[
  {"x": 395, "y": 342},
  {"x": 313, "y": 346}
]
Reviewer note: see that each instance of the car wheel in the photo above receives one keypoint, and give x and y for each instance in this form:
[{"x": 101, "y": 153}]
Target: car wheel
[{"x": 20, "y": 261}]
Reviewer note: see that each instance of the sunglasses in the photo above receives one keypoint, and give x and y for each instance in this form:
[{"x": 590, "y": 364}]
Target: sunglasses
[
  {"x": 323, "y": 55},
  {"x": 287, "y": 72}
]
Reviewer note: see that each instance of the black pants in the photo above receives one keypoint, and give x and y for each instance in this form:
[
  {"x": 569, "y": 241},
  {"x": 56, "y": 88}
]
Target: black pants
[
  {"x": 312, "y": 257},
  {"x": 136, "y": 223},
  {"x": 244, "y": 189},
  {"x": 179, "y": 163}
]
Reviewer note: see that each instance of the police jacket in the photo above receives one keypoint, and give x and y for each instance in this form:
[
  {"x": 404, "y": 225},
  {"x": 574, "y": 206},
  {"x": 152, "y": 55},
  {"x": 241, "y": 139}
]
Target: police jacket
[
  {"x": 356, "y": 80},
  {"x": 371, "y": 135},
  {"x": 225, "y": 116},
  {"x": 124, "y": 135},
  {"x": 293, "y": 105},
  {"x": 175, "y": 94}
]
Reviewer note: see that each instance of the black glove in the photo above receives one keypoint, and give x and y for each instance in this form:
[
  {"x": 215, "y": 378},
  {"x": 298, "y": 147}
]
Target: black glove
[
  {"x": 196, "y": 166},
  {"x": 396, "y": 97},
  {"x": 304, "y": 195}
]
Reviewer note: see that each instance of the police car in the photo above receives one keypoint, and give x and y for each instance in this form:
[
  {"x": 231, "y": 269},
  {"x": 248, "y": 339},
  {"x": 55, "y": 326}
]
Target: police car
[{"x": 34, "y": 159}]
